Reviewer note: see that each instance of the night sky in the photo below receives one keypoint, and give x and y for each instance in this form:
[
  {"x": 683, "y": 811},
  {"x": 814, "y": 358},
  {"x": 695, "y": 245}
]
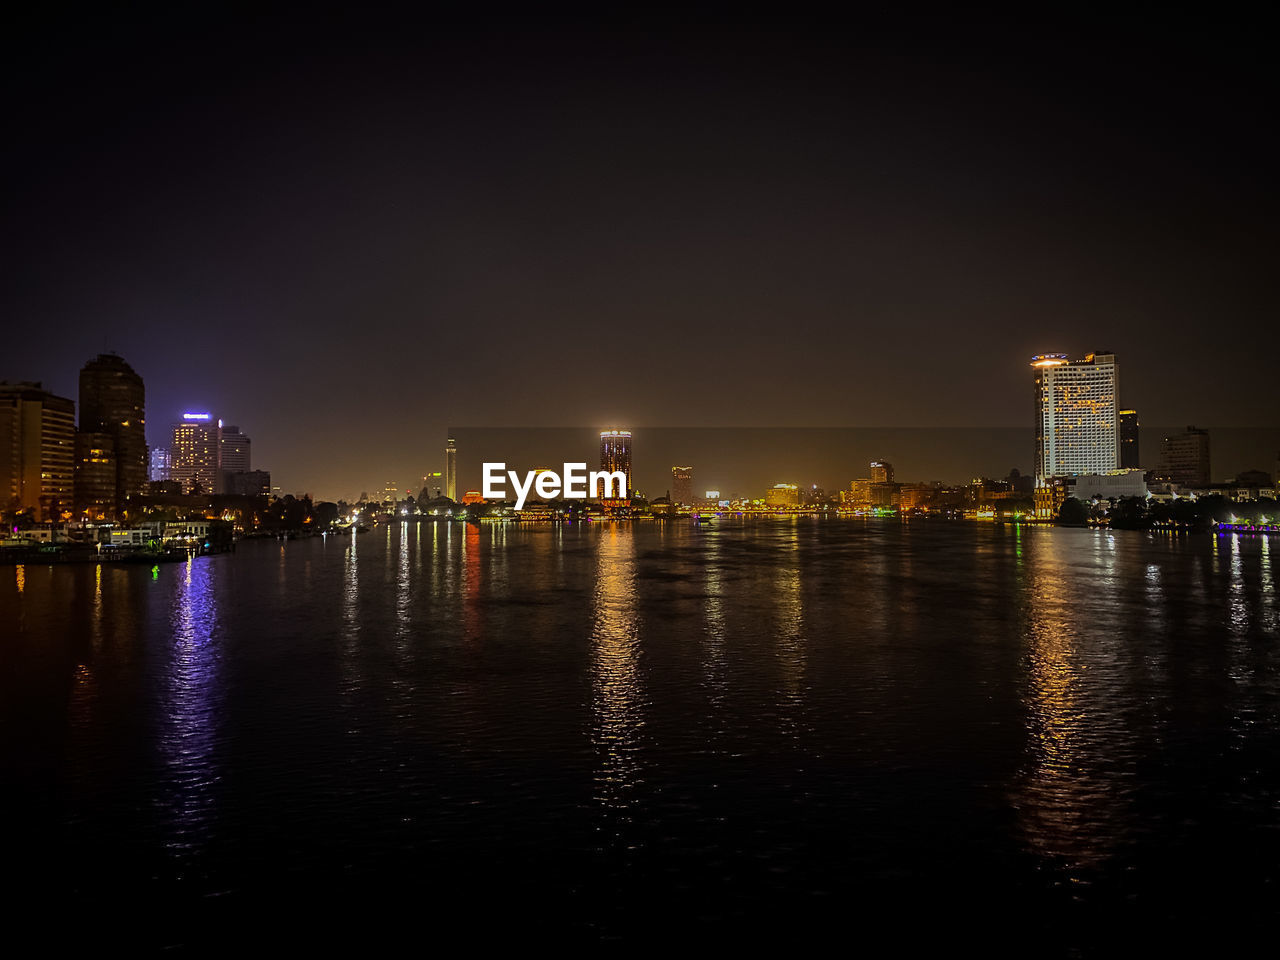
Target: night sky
[{"x": 345, "y": 236}]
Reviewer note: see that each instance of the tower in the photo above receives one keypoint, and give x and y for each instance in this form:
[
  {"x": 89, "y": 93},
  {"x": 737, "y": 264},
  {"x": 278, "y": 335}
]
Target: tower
[
  {"x": 37, "y": 450},
  {"x": 113, "y": 415},
  {"x": 197, "y": 453},
  {"x": 235, "y": 450},
  {"x": 1076, "y": 414},
  {"x": 1130, "y": 455},
  {"x": 615, "y": 453},
  {"x": 451, "y": 469},
  {"x": 682, "y": 485},
  {"x": 1184, "y": 458}
]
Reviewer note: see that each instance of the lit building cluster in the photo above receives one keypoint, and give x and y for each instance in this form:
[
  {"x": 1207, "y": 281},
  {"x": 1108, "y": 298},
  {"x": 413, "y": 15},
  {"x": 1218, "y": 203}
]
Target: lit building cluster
[
  {"x": 100, "y": 470},
  {"x": 207, "y": 456},
  {"x": 1088, "y": 448}
]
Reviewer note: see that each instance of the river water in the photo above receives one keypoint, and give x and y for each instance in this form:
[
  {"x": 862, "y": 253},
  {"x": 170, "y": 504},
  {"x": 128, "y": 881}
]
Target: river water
[{"x": 650, "y": 733}]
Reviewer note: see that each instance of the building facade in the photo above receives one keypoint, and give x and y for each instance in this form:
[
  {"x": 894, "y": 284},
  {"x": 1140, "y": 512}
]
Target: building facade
[
  {"x": 682, "y": 486},
  {"x": 1184, "y": 458},
  {"x": 451, "y": 469},
  {"x": 196, "y": 451},
  {"x": 1130, "y": 451},
  {"x": 161, "y": 464},
  {"x": 615, "y": 454},
  {"x": 782, "y": 495},
  {"x": 1077, "y": 415},
  {"x": 233, "y": 453},
  {"x": 881, "y": 471},
  {"x": 113, "y": 403},
  {"x": 37, "y": 451},
  {"x": 1108, "y": 486},
  {"x": 97, "y": 474}
]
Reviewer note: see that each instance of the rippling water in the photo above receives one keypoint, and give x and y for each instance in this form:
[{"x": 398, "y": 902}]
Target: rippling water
[{"x": 643, "y": 732}]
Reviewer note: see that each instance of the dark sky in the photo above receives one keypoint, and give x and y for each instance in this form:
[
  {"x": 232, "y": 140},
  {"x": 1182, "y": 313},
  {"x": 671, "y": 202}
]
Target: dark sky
[{"x": 346, "y": 235}]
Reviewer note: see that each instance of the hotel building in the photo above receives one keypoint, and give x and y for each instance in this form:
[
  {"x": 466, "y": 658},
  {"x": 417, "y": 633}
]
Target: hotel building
[
  {"x": 1076, "y": 414},
  {"x": 37, "y": 450},
  {"x": 197, "y": 453},
  {"x": 615, "y": 454}
]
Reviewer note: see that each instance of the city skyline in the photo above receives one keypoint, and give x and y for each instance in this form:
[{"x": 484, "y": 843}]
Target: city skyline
[
  {"x": 649, "y": 477},
  {"x": 1076, "y": 399},
  {"x": 408, "y": 454},
  {"x": 788, "y": 229}
]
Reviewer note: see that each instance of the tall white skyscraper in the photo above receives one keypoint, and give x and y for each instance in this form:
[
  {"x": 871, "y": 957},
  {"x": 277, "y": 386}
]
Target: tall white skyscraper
[{"x": 1077, "y": 414}]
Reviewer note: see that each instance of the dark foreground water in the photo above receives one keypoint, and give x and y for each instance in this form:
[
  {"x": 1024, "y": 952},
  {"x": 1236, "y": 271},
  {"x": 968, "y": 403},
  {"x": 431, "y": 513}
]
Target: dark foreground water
[{"x": 1033, "y": 741}]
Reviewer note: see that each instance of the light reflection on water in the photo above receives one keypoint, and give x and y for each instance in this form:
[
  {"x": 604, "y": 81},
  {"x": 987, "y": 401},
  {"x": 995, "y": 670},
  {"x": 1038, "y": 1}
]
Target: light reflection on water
[
  {"x": 1071, "y": 797},
  {"x": 190, "y": 708},
  {"x": 760, "y": 694},
  {"x": 790, "y": 633},
  {"x": 617, "y": 696},
  {"x": 714, "y": 630}
]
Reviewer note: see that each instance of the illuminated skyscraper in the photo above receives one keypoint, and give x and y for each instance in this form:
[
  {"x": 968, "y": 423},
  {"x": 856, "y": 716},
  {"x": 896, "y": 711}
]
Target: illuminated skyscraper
[
  {"x": 197, "y": 453},
  {"x": 451, "y": 469},
  {"x": 881, "y": 471},
  {"x": 1076, "y": 414},
  {"x": 37, "y": 450},
  {"x": 161, "y": 463},
  {"x": 1130, "y": 457},
  {"x": 112, "y": 408},
  {"x": 615, "y": 453},
  {"x": 682, "y": 485}
]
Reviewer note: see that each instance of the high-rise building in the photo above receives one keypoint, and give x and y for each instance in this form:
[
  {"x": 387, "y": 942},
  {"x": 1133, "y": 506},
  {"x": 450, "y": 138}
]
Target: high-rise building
[
  {"x": 881, "y": 471},
  {"x": 682, "y": 485},
  {"x": 1130, "y": 457},
  {"x": 97, "y": 475},
  {"x": 451, "y": 469},
  {"x": 233, "y": 458},
  {"x": 161, "y": 463},
  {"x": 234, "y": 451},
  {"x": 615, "y": 454},
  {"x": 197, "y": 453},
  {"x": 37, "y": 450},
  {"x": 1076, "y": 414},
  {"x": 113, "y": 403},
  {"x": 1184, "y": 458},
  {"x": 782, "y": 495}
]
